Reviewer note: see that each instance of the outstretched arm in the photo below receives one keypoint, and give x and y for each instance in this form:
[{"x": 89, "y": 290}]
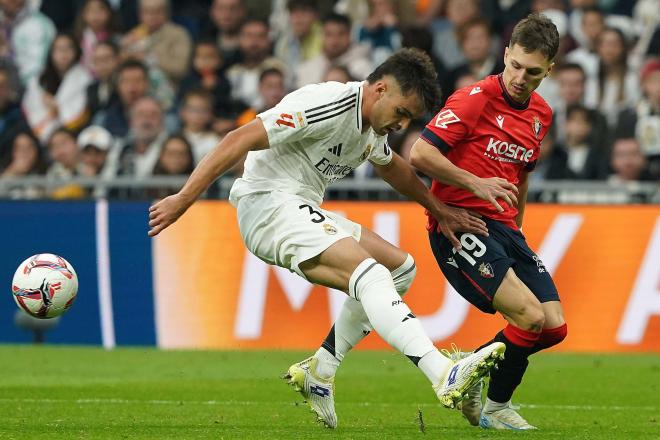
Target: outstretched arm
[
  {"x": 403, "y": 178},
  {"x": 428, "y": 159},
  {"x": 224, "y": 156}
]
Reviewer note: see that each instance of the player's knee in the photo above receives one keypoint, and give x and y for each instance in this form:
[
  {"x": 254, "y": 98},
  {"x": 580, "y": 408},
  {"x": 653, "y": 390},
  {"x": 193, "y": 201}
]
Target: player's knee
[
  {"x": 531, "y": 316},
  {"x": 368, "y": 275},
  {"x": 404, "y": 275}
]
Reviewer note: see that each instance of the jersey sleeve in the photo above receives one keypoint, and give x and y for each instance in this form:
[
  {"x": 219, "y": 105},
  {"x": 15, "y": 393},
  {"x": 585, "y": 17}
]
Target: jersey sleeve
[
  {"x": 456, "y": 119},
  {"x": 286, "y": 122},
  {"x": 381, "y": 154}
]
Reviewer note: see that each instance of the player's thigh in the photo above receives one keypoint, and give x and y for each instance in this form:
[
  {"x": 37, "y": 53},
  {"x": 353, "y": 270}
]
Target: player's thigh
[
  {"x": 334, "y": 266},
  {"x": 554, "y": 314},
  {"x": 381, "y": 250},
  {"x": 477, "y": 270},
  {"x": 285, "y": 230},
  {"x": 518, "y": 304}
]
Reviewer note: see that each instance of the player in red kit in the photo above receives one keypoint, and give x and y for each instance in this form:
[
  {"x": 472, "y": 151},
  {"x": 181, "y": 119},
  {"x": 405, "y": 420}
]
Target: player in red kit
[{"x": 494, "y": 128}]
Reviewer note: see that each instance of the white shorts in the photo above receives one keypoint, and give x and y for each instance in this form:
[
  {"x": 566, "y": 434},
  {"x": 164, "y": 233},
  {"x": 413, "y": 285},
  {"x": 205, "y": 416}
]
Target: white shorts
[{"x": 286, "y": 230}]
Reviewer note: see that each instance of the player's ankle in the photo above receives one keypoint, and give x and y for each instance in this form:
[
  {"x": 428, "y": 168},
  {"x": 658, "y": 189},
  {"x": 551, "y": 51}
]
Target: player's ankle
[{"x": 492, "y": 406}]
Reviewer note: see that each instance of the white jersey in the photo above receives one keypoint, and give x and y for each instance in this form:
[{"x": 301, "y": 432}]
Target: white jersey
[{"x": 315, "y": 136}]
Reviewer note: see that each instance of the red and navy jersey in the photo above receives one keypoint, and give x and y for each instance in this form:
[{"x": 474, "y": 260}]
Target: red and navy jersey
[{"x": 484, "y": 131}]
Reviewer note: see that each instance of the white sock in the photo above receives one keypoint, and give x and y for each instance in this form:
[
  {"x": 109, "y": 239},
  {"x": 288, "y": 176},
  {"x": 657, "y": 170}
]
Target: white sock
[
  {"x": 352, "y": 324},
  {"x": 492, "y": 406},
  {"x": 371, "y": 284}
]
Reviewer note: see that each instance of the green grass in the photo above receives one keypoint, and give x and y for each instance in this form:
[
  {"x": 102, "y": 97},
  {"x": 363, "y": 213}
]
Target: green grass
[{"x": 86, "y": 393}]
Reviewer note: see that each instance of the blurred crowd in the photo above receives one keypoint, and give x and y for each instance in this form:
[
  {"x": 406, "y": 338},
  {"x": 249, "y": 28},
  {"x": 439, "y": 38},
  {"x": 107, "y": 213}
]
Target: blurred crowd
[{"x": 140, "y": 88}]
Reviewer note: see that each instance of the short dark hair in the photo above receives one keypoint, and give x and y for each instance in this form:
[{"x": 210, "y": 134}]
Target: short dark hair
[
  {"x": 536, "y": 32},
  {"x": 414, "y": 72},
  {"x": 309, "y": 5},
  {"x": 132, "y": 63},
  {"x": 571, "y": 66},
  {"x": 270, "y": 71},
  {"x": 462, "y": 30},
  {"x": 337, "y": 18}
]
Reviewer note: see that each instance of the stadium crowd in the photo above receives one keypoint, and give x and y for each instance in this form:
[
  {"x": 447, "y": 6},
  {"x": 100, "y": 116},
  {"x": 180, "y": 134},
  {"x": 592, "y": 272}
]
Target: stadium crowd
[{"x": 140, "y": 88}]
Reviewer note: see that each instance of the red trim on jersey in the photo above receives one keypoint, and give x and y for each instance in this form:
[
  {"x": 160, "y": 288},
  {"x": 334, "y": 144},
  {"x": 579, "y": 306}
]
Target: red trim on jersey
[
  {"x": 520, "y": 337},
  {"x": 477, "y": 286}
]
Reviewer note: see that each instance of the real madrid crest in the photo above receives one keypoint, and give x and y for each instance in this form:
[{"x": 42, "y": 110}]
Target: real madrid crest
[
  {"x": 329, "y": 229},
  {"x": 536, "y": 126},
  {"x": 366, "y": 153}
]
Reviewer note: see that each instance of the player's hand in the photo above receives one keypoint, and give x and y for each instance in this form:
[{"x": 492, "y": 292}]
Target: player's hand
[
  {"x": 494, "y": 188},
  {"x": 454, "y": 220},
  {"x": 165, "y": 212}
]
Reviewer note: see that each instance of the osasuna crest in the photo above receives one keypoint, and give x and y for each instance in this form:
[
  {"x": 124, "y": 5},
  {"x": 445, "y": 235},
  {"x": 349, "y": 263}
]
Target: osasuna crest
[
  {"x": 486, "y": 270},
  {"x": 536, "y": 126}
]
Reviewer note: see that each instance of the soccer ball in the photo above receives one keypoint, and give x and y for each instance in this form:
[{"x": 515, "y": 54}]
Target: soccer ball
[{"x": 45, "y": 285}]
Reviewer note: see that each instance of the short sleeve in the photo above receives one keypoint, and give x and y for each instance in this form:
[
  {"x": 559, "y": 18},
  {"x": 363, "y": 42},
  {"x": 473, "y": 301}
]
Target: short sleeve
[
  {"x": 286, "y": 122},
  {"x": 456, "y": 119},
  {"x": 381, "y": 154}
]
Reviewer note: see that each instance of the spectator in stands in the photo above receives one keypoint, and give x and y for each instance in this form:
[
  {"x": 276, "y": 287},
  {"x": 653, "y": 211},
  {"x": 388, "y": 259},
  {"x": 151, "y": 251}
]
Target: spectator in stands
[
  {"x": 12, "y": 121},
  {"x": 445, "y": 44},
  {"x": 57, "y": 98},
  {"x": 643, "y": 120},
  {"x": 176, "y": 159},
  {"x": 96, "y": 23},
  {"x": 27, "y": 159},
  {"x": 421, "y": 38},
  {"x": 132, "y": 84},
  {"x": 571, "y": 81},
  {"x": 207, "y": 73},
  {"x": 592, "y": 25},
  {"x": 255, "y": 49},
  {"x": 553, "y": 158},
  {"x": 101, "y": 93},
  {"x": 65, "y": 164},
  {"x": 339, "y": 74},
  {"x": 94, "y": 143},
  {"x": 616, "y": 85},
  {"x": 196, "y": 114},
  {"x": 475, "y": 41},
  {"x": 25, "y": 36},
  {"x": 585, "y": 160},
  {"x": 380, "y": 29},
  {"x": 158, "y": 42},
  {"x": 147, "y": 134},
  {"x": 226, "y": 16},
  {"x": 338, "y": 50},
  {"x": 628, "y": 162},
  {"x": 302, "y": 39},
  {"x": 271, "y": 91}
]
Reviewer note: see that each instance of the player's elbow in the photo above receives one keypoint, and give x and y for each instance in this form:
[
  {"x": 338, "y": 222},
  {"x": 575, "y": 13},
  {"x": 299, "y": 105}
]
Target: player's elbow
[{"x": 417, "y": 156}]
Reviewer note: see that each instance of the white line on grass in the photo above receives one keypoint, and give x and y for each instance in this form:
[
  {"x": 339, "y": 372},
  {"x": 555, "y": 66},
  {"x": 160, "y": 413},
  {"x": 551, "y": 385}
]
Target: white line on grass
[{"x": 100, "y": 401}]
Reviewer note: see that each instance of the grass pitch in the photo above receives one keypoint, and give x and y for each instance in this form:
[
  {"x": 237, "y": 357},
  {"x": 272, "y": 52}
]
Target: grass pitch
[{"x": 54, "y": 392}]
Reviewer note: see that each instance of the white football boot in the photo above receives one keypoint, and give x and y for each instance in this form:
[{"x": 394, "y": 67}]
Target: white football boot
[
  {"x": 503, "y": 418},
  {"x": 471, "y": 406},
  {"x": 466, "y": 373},
  {"x": 318, "y": 393}
]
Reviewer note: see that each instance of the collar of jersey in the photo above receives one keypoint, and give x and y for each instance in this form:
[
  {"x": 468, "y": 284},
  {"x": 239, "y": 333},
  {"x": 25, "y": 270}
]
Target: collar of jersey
[{"x": 509, "y": 100}]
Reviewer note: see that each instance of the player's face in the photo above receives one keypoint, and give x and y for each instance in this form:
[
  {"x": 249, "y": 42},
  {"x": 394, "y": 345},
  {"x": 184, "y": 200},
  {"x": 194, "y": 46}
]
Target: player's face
[
  {"x": 392, "y": 110},
  {"x": 523, "y": 72}
]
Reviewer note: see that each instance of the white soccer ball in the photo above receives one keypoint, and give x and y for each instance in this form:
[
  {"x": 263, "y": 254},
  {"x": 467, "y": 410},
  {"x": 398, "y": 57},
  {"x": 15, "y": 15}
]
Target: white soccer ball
[{"x": 45, "y": 285}]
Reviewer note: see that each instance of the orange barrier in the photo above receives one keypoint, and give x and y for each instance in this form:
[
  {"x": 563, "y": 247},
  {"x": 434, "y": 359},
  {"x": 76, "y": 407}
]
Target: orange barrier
[{"x": 212, "y": 293}]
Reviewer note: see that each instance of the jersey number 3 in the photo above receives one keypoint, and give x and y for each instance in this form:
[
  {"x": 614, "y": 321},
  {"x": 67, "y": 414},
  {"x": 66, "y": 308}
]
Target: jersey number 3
[{"x": 313, "y": 212}]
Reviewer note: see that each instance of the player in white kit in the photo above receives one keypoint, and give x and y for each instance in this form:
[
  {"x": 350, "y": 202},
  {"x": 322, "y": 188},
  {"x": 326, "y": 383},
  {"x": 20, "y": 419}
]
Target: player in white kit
[{"x": 314, "y": 136}]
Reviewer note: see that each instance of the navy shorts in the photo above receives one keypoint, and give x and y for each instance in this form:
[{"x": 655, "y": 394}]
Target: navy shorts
[{"x": 477, "y": 270}]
